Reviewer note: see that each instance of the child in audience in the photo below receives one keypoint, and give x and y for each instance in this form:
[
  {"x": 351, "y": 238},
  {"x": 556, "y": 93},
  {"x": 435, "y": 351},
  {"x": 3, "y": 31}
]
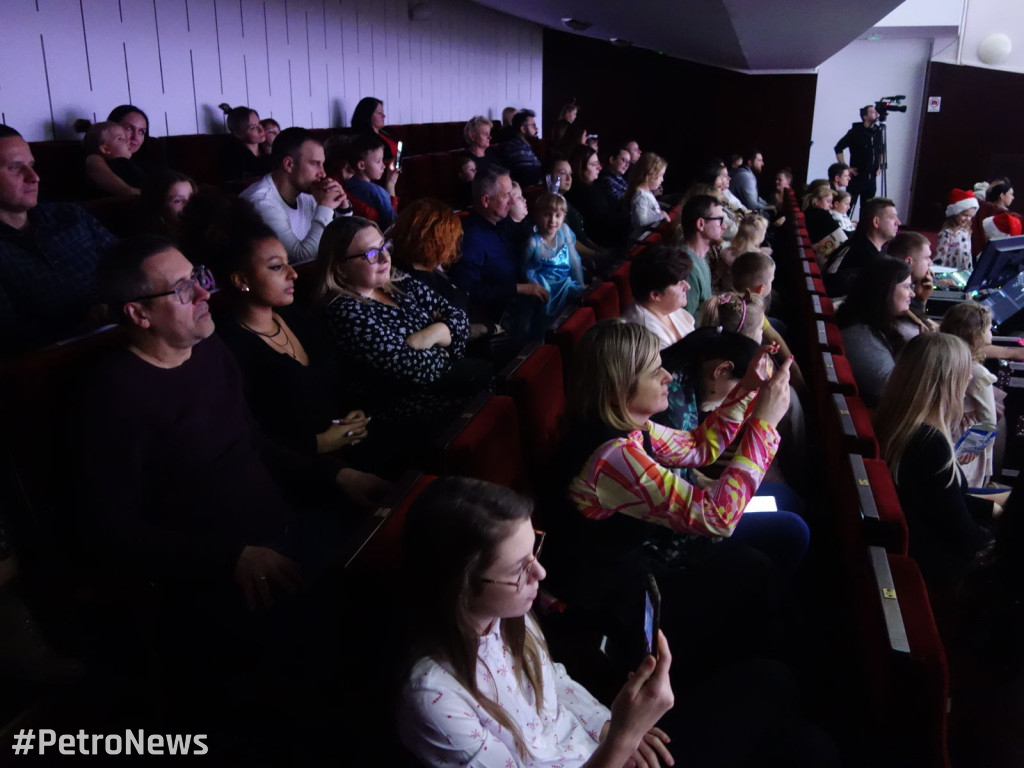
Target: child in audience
[
  {"x": 366, "y": 159},
  {"x": 754, "y": 271},
  {"x": 972, "y": 322},
  {"x": 924, "y": 396},
  {"x": 645, "y": 177},
  {"x": 550, "y": 258},
  {"x": 738, "y": 312},
  {"x": 516, "y": 228},
  {"x": 841, "y": 210},
  {"x": 164, "y": 197},
  {"x": 108, "y": 163},
  {"x": 465, "y": 172},
  {"x": 750, "y": 235},
  {"x": 482, "y": 688},
  {"x": 954, "y": 248},
  {"x": 270, "y": 130}
]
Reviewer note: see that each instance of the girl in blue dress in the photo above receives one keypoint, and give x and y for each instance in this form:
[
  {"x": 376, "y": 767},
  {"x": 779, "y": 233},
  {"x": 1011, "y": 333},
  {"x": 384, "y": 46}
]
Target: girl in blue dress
[{"x": 551, "y": 259}]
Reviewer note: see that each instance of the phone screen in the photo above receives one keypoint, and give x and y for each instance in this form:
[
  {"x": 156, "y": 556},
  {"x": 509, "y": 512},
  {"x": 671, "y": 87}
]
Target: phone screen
[{"x": 398, "y": 156}]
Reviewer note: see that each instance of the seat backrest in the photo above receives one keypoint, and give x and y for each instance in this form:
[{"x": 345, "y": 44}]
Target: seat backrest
[
  {"x": 536, "y": 385},
  {"x": 620, "y": 276},
  {"x": 484, "y": 443},
  {"x": 604, "y": 300},
  {"x": 567, "y": 334}
]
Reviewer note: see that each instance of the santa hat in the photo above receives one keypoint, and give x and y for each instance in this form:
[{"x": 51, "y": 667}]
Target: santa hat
[
  {"x": 1003, "y": 225},
  {"x": 960, "y": 201}
]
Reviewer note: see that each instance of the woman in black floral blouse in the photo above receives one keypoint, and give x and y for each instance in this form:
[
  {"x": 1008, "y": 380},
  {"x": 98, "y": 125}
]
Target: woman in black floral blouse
[{"x": 400, "y": 342}]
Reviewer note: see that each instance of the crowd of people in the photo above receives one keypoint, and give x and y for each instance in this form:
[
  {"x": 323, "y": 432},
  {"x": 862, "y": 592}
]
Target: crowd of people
[{"x": 228, "y": 455}]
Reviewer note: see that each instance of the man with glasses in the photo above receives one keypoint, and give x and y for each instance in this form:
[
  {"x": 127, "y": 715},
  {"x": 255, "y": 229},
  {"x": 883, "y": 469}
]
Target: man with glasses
[
  {"x": 702, "y": 222},
  {"x": 297, "y": 199},
  {"x": 179, "y": 486},
  {"x": 48, "y": 254}
]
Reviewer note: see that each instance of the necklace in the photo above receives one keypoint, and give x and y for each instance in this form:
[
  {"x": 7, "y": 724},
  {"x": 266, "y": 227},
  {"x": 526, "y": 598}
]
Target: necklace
[{"x": 288, "y": 347}]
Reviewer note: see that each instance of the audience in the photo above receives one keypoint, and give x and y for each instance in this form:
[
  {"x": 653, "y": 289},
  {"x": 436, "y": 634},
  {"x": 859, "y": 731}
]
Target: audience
[
  {"x": 366, "y": 159},
  {"x": 108, "y": 164},
  {"x": 914, "y": 248},
  {"x": 520, "y": 159},
  {"x": 841, "y": 203},
  {"x": 924, "y": 397},
  {"x": 839, "y": 176},
  {"x": 868, "y": 320},
  {"x": 750, "y": 235},
  {"x": 602, "y": 222},
  {"x": 400, "y": 343},
  {"x": 551, "y": 261},
  {"x": 368, "y": 119},
  {"x": 507, "y": 132},
  {"x": 135, "y": 124},
  {"x": 164, "y": 197},
  {"x": 954, "y": 248},
  {"x": 818, "y": 214},
  {"x": 426, "y": 242},
  {"x": 877, "y": 226},
  {"x": 470, "y": 627},
  {"x": 291, "y": 384},
  {"x": 612, "y": 181},
  {"x": 741, "y": 313},
  {"x": 296, "y": 199},
  {"x": 644, "y": 178},
  {"x": 243, "y": 159},
  {"x": 48, "y": 255},
  {"x": 777, "y": 199},
  {"x": 657, "y": 278},
  {"x": 477, "y": 134},
  {"x": 1001, "y": 226},
  {"x": 972, "y": 323},
  {"x": 699, "y": 226},
  {"x": 270, "y": 128},
  {"x": 489, "y": 269},
  {"x": 998, "y": 197},
  {"x": 744, "y": 181}
]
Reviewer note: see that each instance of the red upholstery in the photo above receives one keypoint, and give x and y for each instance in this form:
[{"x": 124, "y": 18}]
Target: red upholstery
[
  {"x": 604, "y": 300},
  {"x": 839, "y": 374},
  {"x": 379, "y": 552},
  {"x": 866, "y": 443},
  {"x": 891, "y": 532},
  {"x": 485, "y": 444},
  {"x": 536, "y": 385},
  {"x": 621, "y": 279},
  {"x": 568, "y": 334}
]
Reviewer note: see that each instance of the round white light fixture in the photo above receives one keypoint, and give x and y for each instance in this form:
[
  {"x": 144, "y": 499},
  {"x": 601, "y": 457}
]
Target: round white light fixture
[{"x": 995, "y": 49}]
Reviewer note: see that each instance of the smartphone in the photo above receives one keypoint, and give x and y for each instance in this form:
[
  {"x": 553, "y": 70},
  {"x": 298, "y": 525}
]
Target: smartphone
[
  {"x": 398, "y": 156},
  {"x": 652, "y": 616}
]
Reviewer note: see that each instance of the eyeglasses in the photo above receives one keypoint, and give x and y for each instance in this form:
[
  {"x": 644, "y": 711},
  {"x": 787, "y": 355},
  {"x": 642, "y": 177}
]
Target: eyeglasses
[
  {"x": 372, "y": 255},
  {"x": 527, "y": 567},
  {"x": 186, "y": 291},
  {"x": 719, "y": 219}
]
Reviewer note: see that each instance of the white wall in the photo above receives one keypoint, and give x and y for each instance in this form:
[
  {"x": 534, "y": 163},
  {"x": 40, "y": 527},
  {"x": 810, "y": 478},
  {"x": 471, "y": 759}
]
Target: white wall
[
  {"x": 985, "y": 17},
  {"x": 860, "y": 74},
  {"x": 925, "y": 13},
  {"x": 303, "y": 62}
]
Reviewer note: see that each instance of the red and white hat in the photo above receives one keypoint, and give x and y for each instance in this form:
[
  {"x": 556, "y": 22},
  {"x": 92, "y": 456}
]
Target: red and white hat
[
  {"x": 960, "y": 201},
  {"x": 1003, "y": 225}
]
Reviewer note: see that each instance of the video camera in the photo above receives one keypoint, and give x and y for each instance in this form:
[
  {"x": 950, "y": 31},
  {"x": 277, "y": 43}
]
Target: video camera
[{"x": 888, "y": 104}]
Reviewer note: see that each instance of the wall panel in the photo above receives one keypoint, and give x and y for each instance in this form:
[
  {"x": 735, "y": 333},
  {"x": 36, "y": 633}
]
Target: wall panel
[{"x": 306, "y": 62}]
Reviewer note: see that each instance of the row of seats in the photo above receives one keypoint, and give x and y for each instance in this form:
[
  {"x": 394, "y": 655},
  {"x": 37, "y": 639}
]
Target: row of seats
[
  {"x": 201, "y": 155},
  {"x": 903, "y": 660}
]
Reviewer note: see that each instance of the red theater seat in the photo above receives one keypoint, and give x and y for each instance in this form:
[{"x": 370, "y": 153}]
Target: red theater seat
[
  {"x": 567, "y": 333},
  {"x": 620, "y": 276},
  {"x": 604, "y": 300},
  {"x": 483, "y": 442}
]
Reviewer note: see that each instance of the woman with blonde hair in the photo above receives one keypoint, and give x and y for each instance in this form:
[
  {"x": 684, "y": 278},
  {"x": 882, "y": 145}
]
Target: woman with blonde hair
[
  {"x": 923, "y": 397},
  {"x": 737, "y": 312},
  {"x": 644, "y": 179},
  {"x": 398, "y": 340},
  {"x": 972, "y": 322}
]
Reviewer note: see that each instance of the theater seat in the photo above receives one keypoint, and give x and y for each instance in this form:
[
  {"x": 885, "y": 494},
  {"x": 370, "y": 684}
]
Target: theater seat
[
  {"x": 483, "y": 442},
  {"x": 566, "y": 334},
  {"x": 604, "y": 300},
  {"x": 534, "y": 380},
  {"x": 620, "y": 276}
]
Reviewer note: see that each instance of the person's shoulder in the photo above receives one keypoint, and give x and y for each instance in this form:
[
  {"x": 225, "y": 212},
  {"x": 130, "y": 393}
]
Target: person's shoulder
[{"x": 260, "y": 190}]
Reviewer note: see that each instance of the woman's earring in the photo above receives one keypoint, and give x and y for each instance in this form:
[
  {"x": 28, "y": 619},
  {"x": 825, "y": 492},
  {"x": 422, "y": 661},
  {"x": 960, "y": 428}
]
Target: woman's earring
[{"x": 245, "y": 289}]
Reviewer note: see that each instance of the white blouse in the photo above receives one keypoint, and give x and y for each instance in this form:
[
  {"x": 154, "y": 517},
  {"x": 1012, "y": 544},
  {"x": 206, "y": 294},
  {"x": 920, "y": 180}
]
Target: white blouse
[
  {"x": 682, "y": 321},
  {"x": 443, "y": 725}
]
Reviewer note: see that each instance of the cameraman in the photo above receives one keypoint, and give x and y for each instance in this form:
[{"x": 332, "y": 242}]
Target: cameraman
[{"x": 864, "y": 139}]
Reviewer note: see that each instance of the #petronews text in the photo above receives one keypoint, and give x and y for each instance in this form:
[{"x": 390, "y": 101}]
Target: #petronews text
[{"x": 132, "y": 743}]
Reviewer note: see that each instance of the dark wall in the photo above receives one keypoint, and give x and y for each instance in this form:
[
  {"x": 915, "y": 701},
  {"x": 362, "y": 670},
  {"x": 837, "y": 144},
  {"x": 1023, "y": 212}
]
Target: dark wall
[
  {"x": 685, "y": 112},
  {"x": 976, "y": 136}
]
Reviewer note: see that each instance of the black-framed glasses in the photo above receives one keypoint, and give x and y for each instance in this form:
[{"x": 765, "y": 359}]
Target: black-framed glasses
[
  {"x": 372, "y": 255},
  {"x": 186, "y": 292},
  {"x": 719, "y": 219},
  {"x": 527, "y": 566}
]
